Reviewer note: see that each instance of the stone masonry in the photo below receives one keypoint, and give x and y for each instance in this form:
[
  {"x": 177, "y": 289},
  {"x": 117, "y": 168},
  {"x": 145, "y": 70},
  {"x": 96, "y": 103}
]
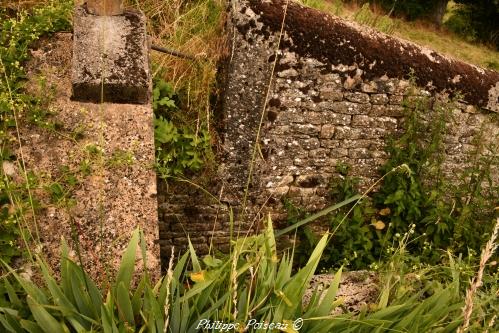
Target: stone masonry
[{"x": 337, "y": 94}]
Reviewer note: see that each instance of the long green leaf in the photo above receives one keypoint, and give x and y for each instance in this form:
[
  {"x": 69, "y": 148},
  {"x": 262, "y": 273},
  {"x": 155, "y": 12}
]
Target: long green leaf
[
  {"x": 10, "y": 323},
  {"x": 127, "y": 265},
  {"x": 31, "y": 327},
  {"x": 124, "y": 304},
  {"x": 317, "y": 215},
  {"x": 324, "y": 308},
  {"x": 14, "y": 299},
  {"x": 28, "y": 286},
  {"x": 44, "y": 319},
  {"x": 194, "y": 259}
]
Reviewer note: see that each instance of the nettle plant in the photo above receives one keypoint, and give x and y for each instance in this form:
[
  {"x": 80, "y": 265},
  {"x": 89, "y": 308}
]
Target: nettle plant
[
  {"x": 439, "y": 214},
  {"x": 179, "y": 149}
]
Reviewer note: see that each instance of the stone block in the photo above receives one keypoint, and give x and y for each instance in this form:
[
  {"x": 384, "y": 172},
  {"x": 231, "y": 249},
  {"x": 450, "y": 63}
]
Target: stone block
[
  {"x": 380, "y": 99},
  {"x": 350, "y": 108},
  {"x": 110, "y": 58},
  {"x": 105, "y": 7},
  {"x": 327, "y": 131},
  {"x": 357, "y": 97}
]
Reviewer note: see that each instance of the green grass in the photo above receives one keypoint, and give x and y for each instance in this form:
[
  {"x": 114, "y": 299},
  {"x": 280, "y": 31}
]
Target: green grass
[{"x": 418, "y": 32}]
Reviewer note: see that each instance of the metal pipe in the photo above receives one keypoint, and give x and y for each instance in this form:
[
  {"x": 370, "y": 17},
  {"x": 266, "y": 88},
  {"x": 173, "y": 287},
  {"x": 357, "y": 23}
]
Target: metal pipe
[{"x": 173, "y": 52}]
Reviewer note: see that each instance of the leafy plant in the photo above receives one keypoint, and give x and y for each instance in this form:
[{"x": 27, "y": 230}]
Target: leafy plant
[
  {"x": 251, "y": 285},
  {"x": 443, "y": 212},
  {"x": 440, "y": 213},
  {"x": 178, "y": 149}
]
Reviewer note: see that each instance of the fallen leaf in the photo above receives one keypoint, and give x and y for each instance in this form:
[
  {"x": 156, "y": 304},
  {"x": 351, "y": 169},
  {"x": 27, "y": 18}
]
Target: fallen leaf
[
  {"x": 379, "y": 225},
  {"x": 198, "y": 276},
  {"x": 385, "y": 211}
]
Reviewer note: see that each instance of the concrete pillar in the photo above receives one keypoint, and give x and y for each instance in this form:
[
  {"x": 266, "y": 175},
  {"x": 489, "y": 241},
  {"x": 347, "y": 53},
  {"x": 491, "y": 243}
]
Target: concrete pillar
[
  {"x": 110, "y": 58},
  {"x": 105, "y": 7}
]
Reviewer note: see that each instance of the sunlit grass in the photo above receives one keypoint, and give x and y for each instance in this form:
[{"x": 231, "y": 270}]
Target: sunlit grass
[
  {"x": 194, "y": 28},
  {"x": 420, "y": 33}
]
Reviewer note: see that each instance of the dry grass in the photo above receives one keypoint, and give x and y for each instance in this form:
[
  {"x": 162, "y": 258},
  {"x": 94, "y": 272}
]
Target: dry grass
[
  {"x": 194, "y": 28},
  {"x": 476, "y": 283}
]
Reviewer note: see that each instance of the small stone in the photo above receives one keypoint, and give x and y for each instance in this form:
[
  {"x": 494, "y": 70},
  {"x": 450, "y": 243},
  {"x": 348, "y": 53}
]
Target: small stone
[
  {"x": 380, "y": 99},
  {"x": 9, "y": 169},
  {"x": 351, "y": 108},
  {"x": 331, "y": 94},
  {"x": 369, "y": 87},
  {"x": 327, "y": 131},
  {"x": 357, "y": 97},
  {"x": 396, "y": 99},
  {"x": 290, "y": 72},
  {"x": 279, "y": 191},
  {"x": 309, "y": 181}
]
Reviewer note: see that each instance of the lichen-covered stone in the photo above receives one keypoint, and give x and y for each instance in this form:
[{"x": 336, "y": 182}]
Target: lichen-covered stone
[
  {"x": 336, "y": 96},
  {"x": 110, "y": 58}
]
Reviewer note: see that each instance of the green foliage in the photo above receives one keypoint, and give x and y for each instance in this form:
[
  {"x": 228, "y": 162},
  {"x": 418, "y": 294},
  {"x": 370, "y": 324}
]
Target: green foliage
[
  {"x": 446, "y": 214},
  {"x": 438, "y": 213},
  {"x": 252, "y": 283},
  {"x": 481, "y": 17},
  {"x": 62, "y": 189},
  {"x": 354, "y": 241},
  {"x": 460, "y": 23},
  {"x": 411, "y": 9},
  {"x": 178, "y": 149},
  {"x": 17, "y": 33}
]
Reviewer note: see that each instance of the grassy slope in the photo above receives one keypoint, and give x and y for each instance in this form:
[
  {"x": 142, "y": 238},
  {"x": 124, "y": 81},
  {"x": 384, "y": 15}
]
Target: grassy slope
[{"x": 420, "y": 33}]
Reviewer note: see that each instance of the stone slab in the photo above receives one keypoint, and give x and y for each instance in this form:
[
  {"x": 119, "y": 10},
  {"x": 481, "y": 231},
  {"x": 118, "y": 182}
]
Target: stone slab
[
  {"x": 117, "y": 192},
  {"x": 110, "y": 58}
]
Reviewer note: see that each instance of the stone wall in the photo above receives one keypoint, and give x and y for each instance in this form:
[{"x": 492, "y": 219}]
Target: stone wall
[{"x": 336, "y": 95}]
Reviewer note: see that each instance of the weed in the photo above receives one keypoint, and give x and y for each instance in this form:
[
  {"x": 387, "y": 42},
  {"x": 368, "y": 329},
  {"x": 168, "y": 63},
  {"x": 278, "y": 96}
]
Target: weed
[
  {"x": 17, "y": 32},
  {"x": 94, "y": 150},
  {"x": 62, "y": 189},
  {"x": 178, "y": 149},
  {"x": 121, "y": 158},
  {"x": 440, "y": 213}
]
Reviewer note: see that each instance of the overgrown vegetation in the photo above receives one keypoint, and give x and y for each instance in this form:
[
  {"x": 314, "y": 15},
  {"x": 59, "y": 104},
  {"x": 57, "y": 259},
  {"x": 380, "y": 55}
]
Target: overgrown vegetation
[
  {"x": 250, "y": 288},
  {"x": 184, "y": 87},
  {"x": 440, "y": 214},
  {"x": 17, "y": 31},
  {"x": 178, "y": 150}
]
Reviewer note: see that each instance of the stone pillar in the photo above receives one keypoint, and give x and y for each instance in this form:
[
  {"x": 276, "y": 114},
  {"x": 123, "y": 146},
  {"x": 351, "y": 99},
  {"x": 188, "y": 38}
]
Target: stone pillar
[
  {"x": 105, "y": 7},
  {"x": 110, "y": 57}
]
